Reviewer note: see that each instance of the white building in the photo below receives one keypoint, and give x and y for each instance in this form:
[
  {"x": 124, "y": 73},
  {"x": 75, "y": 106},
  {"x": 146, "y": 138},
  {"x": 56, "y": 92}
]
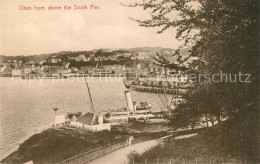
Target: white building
[
  {"x": 53, "y": 60},
  {"x": 16, "y": 72},
  {"x": 66, "y": 64},
  {"x": 27, "y": 71},
  {"x": 2, "y": 67},
  {"x": 88, "y": 121},
  {"x": 65, "y": 71},
  {"x": 138, "y": 66}
]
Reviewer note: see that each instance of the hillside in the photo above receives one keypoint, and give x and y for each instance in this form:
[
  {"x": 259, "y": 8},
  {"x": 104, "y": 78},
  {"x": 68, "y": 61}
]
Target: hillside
[
  {"x": 55, "y": 145},
  {"x": 64, "y": 55},
  {"x": 35, "y": 58},
  {"x": 235, "y": 140}
]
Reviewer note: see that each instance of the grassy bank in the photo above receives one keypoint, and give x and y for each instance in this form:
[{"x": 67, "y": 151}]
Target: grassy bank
[
  {"x": 230, "y": 141},
  {"x": 54, "y": 145}
]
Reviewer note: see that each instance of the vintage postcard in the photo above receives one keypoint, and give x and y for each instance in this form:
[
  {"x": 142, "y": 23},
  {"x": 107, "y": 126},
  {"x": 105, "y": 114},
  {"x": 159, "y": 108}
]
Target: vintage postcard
[{"x": 129, "y": 81}]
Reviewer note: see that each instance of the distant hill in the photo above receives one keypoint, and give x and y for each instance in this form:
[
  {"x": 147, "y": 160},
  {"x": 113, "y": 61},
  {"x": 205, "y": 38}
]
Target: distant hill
[
  {"x": 35, "y": 58},
  {"x": 154, "y": 49}
]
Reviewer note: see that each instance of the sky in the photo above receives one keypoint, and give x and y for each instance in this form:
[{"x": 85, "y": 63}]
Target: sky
[{"x": 34, "y": 32}]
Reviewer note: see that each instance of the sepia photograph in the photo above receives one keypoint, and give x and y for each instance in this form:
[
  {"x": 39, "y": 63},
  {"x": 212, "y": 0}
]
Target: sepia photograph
[{"x": 129, "y": 82}]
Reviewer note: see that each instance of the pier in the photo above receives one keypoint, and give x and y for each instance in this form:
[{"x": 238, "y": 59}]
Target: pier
[{"x": 159, "y": 90}]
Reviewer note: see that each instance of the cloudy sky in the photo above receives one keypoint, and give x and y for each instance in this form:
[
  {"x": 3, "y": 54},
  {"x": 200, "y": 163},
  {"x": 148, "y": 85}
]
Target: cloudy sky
[{"x": 34, "y": 32}]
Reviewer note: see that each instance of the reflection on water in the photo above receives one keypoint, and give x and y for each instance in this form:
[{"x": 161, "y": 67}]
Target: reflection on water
[{"x": 26, "y": 107}]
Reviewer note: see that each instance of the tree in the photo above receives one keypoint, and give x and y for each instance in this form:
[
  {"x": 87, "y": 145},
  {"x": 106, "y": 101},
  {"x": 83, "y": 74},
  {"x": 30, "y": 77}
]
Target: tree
[
  {"x": 222, "y": 36},
  {"x": 161, "y": 61}
]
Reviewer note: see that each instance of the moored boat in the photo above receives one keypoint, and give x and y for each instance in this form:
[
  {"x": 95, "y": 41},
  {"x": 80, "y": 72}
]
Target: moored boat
[{"x": 132, "y": 112}]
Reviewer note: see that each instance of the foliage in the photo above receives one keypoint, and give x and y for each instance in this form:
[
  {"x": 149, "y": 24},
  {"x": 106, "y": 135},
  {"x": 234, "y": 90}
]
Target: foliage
[
  {"x": 161, "y": 61},
  {"x": 132, "y": 156},
  {"x": 222, "y": 36},
  {"x": 55, "y": 145},
  {"x": 216, "y": 143}
]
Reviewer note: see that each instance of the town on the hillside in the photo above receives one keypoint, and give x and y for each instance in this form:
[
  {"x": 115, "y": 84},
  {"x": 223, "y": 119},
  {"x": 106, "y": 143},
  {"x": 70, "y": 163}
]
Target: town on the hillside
[
  {"x": 103, "y": 62},
  {"x": 96, "y": 62}
]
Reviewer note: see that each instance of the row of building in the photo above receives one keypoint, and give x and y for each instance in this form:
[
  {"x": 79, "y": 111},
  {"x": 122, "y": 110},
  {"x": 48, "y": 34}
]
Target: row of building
[
  {"x": 9, "y": 69},
  {"x": 111, "y": 57}
]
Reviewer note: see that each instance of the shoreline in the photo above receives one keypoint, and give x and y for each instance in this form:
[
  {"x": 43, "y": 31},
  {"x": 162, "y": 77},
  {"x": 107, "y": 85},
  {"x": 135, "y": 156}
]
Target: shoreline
[
  {"x": 22, "y": 140},
  {"x": 44, "y": 128},
  {"x": 58, "y": 144},
  {"x": 29, "y": 130}
]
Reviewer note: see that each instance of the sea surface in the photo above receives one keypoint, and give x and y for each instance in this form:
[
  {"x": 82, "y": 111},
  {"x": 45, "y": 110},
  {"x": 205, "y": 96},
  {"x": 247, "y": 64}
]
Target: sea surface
[{"x": 26, "y": 106}]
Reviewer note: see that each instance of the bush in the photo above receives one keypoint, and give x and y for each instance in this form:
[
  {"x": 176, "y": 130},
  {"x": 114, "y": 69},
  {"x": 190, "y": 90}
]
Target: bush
[{"x": 133, "y": 156}]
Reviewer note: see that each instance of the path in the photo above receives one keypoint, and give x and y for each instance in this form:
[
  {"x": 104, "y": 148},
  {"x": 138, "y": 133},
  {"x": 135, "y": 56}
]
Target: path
[{"x": 120, "y": 156}]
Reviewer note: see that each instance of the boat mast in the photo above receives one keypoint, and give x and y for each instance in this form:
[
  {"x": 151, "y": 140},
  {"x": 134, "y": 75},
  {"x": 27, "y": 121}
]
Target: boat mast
[{"x": 90, "y": 95}]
